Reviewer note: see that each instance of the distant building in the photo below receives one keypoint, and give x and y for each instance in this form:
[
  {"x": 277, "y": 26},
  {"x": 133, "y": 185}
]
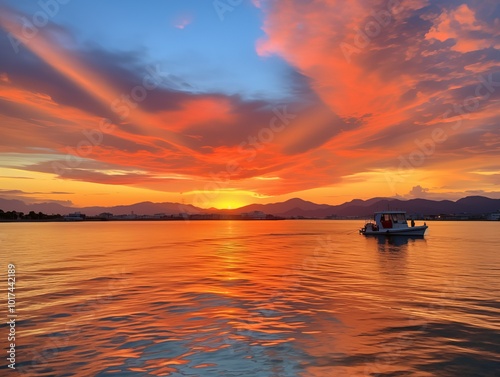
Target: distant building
[
  {"x": 493, "y": 216},
  {"x": 77, "y": 216},
  {"x": 105, "y": 215},
  {"x": 205, "y": 216},
  {"x": 132, "y": 216},
  {"x": 254, "y": 215}
]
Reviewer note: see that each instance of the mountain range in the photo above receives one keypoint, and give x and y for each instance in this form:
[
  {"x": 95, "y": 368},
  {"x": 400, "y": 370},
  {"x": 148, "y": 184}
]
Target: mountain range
[{"x": 472, "y": 205}]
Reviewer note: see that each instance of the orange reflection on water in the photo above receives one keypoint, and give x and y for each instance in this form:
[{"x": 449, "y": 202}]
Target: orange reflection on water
[{"x": 214, "y": 297}]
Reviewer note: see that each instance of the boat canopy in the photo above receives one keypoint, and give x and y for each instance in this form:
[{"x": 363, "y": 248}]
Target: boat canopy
[
  {"x": 391, "y": 212},
  {"x": 389, "y": 217}
]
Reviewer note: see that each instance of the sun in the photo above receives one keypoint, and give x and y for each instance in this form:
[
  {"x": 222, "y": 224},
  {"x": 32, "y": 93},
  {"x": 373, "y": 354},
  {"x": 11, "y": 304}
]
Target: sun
[
  {"x": 229, "y": 204},
  {"x": 226, "y": 199}
]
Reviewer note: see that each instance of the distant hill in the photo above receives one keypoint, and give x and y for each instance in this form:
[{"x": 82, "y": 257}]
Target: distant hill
[
  {"x": 20, "y": 206},
  {"x": 291, "y": 205},
  {"x": 144, "y": 208},
  {"x": 472, "y": 205}
]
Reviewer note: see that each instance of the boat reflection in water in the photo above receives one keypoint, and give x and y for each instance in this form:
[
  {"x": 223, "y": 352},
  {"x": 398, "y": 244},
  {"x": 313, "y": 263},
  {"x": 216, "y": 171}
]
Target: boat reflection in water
[{"x": 396, "y": 240}]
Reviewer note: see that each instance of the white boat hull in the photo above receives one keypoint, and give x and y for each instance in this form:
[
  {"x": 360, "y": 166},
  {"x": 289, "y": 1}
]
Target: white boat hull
[{"x": 413, "y": 231}]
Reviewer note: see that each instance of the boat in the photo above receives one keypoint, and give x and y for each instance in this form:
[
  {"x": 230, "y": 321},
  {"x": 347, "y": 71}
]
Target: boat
[{"x": 388, "y": 223}]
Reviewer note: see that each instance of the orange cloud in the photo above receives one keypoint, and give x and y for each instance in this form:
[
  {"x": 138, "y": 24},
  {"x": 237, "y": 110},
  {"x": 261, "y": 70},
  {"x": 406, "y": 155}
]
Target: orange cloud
[
  {"x": 311, "y": 37},
  {"x": 71, "y": 65},
  {"x": 389, "y": 77},
  {"x": 58, "y": 58},
  {"x": 195, "y": 111},
  {"x": 460, "y": 24}
]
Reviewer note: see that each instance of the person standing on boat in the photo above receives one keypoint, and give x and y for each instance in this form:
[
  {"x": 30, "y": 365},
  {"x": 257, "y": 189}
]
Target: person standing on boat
[{"x": 412, "y": 223}]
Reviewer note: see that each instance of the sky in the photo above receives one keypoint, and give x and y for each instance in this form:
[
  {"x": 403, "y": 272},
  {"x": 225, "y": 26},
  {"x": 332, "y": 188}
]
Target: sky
[{"x": 230, "y": 102}]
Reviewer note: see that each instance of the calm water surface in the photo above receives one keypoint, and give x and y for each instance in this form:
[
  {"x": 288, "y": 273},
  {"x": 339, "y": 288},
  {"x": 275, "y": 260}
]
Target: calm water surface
[{"x": 254, "y": 298}]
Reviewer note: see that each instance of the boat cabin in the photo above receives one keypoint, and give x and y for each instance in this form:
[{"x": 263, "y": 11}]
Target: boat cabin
[{"x": 390, "y": 219}]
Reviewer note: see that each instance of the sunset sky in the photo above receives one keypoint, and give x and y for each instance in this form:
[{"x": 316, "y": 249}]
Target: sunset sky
[{"x": 226, "y": 103}]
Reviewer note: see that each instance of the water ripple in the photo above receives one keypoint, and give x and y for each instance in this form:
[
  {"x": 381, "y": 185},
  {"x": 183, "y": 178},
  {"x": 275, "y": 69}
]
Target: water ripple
[{"x": 256, "y": 299}]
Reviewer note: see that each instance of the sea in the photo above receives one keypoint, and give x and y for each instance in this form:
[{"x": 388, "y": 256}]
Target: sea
[{"x": 288, "y": 298}]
